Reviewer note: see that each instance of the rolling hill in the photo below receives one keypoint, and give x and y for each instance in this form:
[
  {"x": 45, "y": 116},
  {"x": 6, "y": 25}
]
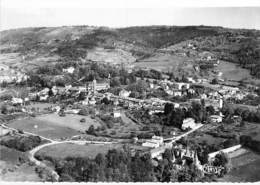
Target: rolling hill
[{"x": 29, "y": 48}]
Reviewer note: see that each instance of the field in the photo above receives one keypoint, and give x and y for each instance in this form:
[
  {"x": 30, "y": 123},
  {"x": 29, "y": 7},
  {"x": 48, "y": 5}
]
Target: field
[
  {"x": 62, "y": 151},
  {"x": 53, "y": 126},
  {"x": 232, "y": 71},
  {"x": 245, "y": 168},
  {"x": 164, "y": 62},
  {"x": 15, "y": 172}
]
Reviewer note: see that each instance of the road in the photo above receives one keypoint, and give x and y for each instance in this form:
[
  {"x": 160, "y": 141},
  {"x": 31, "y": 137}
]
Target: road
[
  {"x": 31, "y": 153},
  {"x": 174, "y": 139}
]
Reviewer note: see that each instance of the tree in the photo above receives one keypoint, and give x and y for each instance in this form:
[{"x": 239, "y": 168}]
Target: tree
[
  {"x": 105, "y": 101},
  {"x": 214, "y": 81},
  {"x": 168, "y": 155},
  {"x": 91, "y": 130},
  {"x": 168, "y": 108},
  {"x": 4, "y": 109},
  {"x": 115, "y": 82}
]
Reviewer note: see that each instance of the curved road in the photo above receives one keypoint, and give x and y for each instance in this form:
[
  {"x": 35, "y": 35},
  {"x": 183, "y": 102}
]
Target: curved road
[{"x": 32, "y": 152}]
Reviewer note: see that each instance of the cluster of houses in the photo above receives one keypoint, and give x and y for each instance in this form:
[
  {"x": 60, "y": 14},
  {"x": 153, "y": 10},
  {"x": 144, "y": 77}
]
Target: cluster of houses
[{"x": 12, "y": 76}]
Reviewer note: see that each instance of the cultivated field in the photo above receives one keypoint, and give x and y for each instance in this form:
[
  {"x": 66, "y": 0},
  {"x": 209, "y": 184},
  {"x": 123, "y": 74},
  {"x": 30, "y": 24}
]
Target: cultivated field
[
  {"x": 61, "y": 151},
  {"x": 53, "y": 126}
]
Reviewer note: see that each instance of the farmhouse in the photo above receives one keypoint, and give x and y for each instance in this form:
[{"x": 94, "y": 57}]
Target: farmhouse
[
  {"x": 68, "y": 70},
  {"x": 188, "y": 123}
]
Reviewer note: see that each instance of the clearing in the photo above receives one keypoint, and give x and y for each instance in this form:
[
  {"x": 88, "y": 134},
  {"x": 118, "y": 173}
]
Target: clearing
[
  {"x": 166, "y": 62},
  {"x": 61, "y": 151},
  {"x": 232, "y": 71},
  {"x": 53, "y": 126}
]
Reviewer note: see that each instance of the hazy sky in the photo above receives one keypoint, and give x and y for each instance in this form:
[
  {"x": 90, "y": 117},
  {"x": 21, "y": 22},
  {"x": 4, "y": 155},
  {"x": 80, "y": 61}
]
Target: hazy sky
[{"x": 121, "y": 13}]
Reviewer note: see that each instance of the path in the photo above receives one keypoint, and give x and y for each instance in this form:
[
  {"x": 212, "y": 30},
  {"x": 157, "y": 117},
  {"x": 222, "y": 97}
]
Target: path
[
  {"x": 173, "y": 139},
  {"x": 31, "y": 153}
]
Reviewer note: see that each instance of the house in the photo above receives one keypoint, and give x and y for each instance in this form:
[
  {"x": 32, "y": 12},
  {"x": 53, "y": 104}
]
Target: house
[
  {"x": 44, "y": 97},
  {"x": 177, "y": 93},
  {"x": 157, "y": 152},
  {"x": 4, "y": 131},
  {"x": 153, "y": 111},
  {"x": 191, "y": 91},
  {"x": 45, "y": 91},
  {"x": 85, "y": 102},
  {"x": 72, "y": 111},
  {"x": 17, "y": 101},
  {"x": 190, "y": 79},
  {"x": 176, "y": 105},
  {"x": 169, "y": 92},
  {"x": 151, "y": 144},
  {"x": 68, "y": 70},
  {"x": 181, "y": 85},
  {"x": 155, "y": 142},
  {"x": 92, "y": 101},
  {"x": 56, "y": 109},
  {"x": 116, "y": 114},
  {"x": 188, "y": 123},
  {"x": 215, "y": 119},
  {"x": 124, "y": 94}
]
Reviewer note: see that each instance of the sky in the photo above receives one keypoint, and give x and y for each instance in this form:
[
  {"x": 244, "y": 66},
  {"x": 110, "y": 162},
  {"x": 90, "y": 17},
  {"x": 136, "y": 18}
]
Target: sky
[{"x": 124, "y": 13}]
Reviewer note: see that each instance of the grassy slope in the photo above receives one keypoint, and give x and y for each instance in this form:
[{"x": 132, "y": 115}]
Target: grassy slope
[{"x": 42, "y": 46}]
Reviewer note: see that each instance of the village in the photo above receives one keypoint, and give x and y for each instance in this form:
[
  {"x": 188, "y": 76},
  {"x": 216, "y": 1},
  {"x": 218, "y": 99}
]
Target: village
[{"x": 97, "y": 115}]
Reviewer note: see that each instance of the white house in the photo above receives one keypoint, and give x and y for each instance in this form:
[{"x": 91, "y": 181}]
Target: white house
[
  {"x": 190, "y": 79},
  {"x": 177, "y": 93},
  {"x": 45, "y": 91},
  {"x": 56, "y": 109},
  {"x": 155, "y": 142},
  {"x": 180, "y": 85},
  {"x": 123, "y": 93},
  {"x": 116, "y": 114},
  {"x": 168, "y": 91},
  {"x": 92, "y": 101},
  {"x": 17, "y": 101},
  {"x": 4, "y": 131},
  {"x": 151, "y": 144},
  {"x": 68, "y": 70},
  {"x": 44, "y": 98},
  {"x": 157, "y": 152},
  {"x": 188, "y": 123},
  {"x": 216, "y": 119}
]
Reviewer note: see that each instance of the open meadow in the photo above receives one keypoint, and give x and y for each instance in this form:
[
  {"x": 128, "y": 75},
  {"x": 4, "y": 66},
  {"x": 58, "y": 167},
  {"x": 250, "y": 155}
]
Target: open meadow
[
  {"x": 61, "y": 151},
  {"x": 53, "y": 126}
]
